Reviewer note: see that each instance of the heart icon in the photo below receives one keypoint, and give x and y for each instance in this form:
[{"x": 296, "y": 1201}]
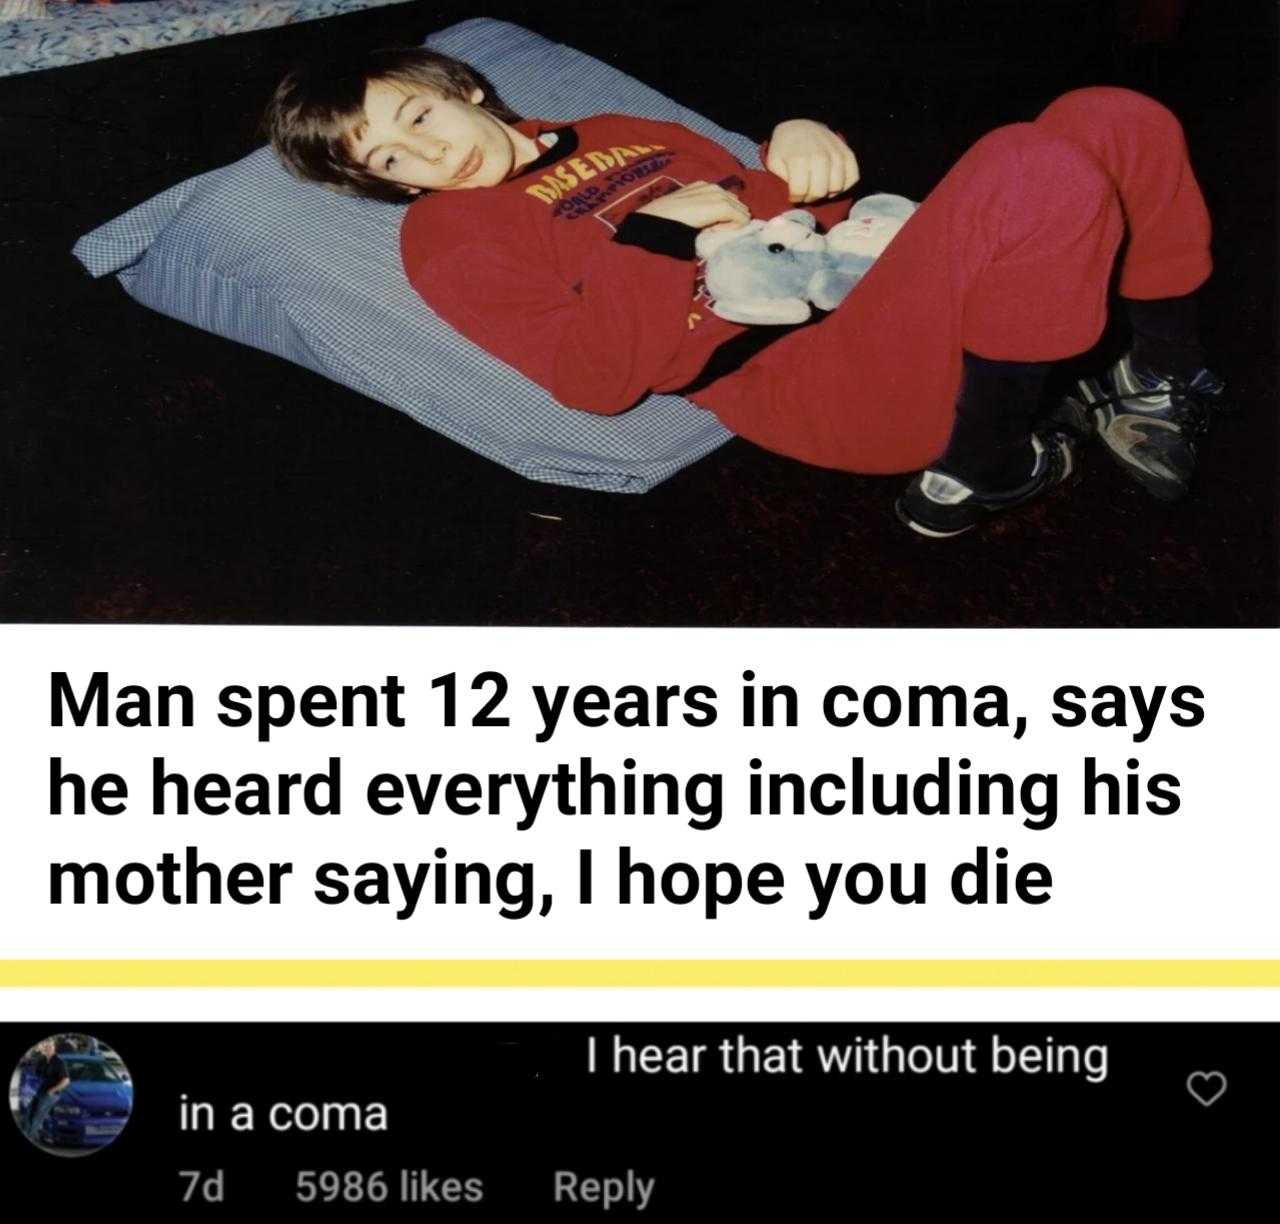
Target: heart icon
[{"x": 1206, "y": 1086}]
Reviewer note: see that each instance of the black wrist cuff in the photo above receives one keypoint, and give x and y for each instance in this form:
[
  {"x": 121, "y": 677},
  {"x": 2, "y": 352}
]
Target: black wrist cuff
[{"x": 660, "y": 235}]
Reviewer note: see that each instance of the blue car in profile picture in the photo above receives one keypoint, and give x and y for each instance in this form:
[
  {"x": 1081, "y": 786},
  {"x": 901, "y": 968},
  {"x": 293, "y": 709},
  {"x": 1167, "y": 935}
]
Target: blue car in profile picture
[{"x": 91, "y": 1111}]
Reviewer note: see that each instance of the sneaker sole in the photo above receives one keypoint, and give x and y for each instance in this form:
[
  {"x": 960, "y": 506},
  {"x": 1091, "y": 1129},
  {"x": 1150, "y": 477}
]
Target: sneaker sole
[{"x": 919, "y": 528}]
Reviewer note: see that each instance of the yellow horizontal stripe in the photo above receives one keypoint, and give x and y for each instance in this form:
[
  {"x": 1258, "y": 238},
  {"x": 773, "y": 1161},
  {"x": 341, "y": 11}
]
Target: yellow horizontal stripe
[{"x": 634, "y": 973}]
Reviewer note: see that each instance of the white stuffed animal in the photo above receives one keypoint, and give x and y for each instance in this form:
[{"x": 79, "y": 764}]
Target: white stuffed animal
[{"x": 774, "y": 271}]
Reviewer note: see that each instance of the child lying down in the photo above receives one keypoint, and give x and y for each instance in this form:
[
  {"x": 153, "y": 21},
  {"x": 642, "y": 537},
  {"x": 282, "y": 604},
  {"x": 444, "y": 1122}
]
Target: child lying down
[{"x": 569, "y": 251}]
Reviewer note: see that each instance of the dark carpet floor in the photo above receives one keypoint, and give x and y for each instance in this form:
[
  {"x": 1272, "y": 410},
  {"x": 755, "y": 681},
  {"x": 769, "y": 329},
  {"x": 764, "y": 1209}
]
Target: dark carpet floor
[{"x": 154, "y": 473}]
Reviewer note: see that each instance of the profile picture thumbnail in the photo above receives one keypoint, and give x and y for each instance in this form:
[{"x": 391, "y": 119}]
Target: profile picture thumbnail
[{"x": 71, "y": 1094}]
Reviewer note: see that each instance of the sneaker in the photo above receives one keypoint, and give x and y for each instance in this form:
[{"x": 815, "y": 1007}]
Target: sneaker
[
  {"x": 1151, "y": 423},
  {"x": 938, "y": 505}
]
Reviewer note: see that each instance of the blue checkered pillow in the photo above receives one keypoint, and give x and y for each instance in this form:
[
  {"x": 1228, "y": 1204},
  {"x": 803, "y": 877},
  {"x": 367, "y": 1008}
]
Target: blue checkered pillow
[{"x": 249, "y": 252}]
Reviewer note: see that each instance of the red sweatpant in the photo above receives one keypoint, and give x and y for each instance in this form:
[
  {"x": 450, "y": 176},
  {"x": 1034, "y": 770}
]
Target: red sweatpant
[{"x": 1009, "y": 257}]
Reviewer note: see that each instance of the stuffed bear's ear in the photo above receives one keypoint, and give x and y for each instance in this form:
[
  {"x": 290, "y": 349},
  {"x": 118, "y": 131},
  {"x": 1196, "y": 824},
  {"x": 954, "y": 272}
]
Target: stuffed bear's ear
[
  {"x": 709, "y": 241},
  {"x": 799, "y": 216},
  {"x": 883, "y": 205}
]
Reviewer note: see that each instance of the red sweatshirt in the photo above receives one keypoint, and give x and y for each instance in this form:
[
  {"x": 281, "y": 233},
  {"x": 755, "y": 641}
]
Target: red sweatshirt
[{"x": 537, "y": 272}]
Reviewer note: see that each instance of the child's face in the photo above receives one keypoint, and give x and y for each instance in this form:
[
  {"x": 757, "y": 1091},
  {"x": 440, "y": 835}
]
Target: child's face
[{"x": 425, "y": 141}]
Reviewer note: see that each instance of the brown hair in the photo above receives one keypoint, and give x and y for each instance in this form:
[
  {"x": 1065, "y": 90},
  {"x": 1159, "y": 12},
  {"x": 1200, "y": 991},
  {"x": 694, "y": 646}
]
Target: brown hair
[{"x": 315, "y": 110}]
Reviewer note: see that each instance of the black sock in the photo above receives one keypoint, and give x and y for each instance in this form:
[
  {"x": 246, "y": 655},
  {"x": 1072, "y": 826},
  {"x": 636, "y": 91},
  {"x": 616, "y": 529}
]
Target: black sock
[
  {"x": 1166, "y": 335},
  {"x": 999, "y": 404}
]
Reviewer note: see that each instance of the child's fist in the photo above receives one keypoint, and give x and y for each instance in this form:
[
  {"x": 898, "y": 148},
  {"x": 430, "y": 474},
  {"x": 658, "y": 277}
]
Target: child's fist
[{"x": 811, "y": 159}]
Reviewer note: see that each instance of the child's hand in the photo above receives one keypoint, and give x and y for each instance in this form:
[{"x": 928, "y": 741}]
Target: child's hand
[
  {"x": 813, "y": 161},
  {"x": 699, "y": 205}
]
